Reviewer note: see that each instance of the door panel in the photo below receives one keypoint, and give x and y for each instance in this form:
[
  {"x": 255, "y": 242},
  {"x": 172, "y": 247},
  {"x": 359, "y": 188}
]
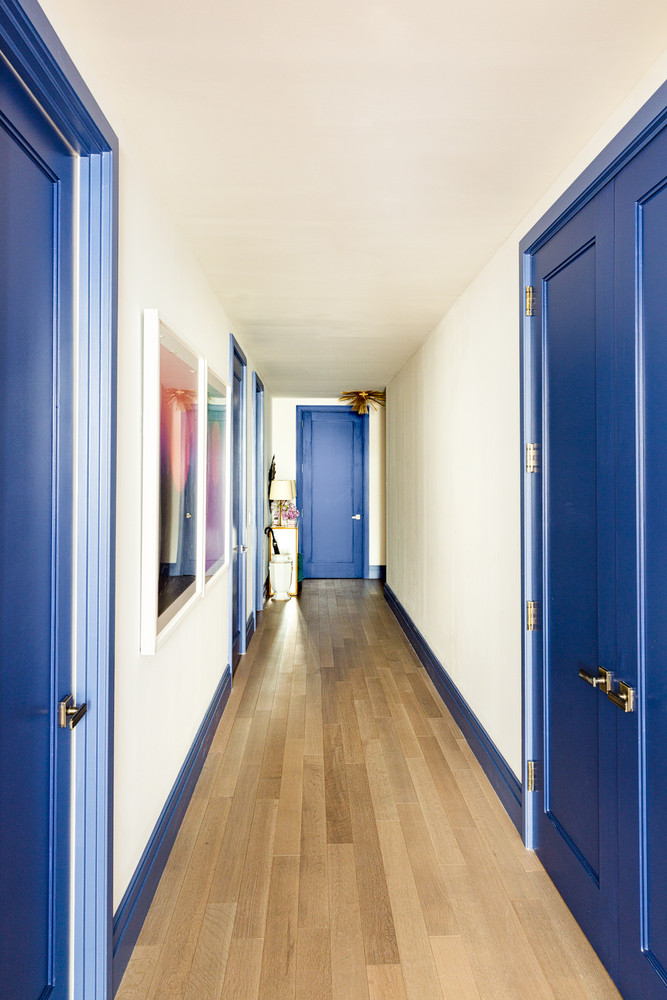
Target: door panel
[
  {"x": 577, "y": 819},
  {"x": 570, "y": 332},
  {"x": 641, "y": 308},
  {"x": 36, "y": 334},
  {"x": 333, "y": 502}
]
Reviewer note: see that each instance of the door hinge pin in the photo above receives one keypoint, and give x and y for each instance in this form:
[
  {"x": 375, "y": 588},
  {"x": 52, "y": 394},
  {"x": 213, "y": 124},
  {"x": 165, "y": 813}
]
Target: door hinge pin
[
  {"x": 532, "y": 616},
  {"x": 530, "y": 776},
  {"x": 532, "y": 457},
  {"x": 529, "y": 300}
]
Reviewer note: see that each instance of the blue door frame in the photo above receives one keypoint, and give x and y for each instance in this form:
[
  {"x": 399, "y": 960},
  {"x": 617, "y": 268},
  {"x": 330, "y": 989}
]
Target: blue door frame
[
  {"x": 32, "y": 48},
  {"x": 365, "y": 475},
  {"x": 260, "y": 492},
  {"x": 238, "y": 555}
]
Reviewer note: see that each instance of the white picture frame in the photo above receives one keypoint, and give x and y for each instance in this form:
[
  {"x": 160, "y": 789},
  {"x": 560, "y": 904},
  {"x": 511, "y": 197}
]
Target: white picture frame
[
  {"x": 217, "y": 493},
  {"x": 172, "y": 519}
]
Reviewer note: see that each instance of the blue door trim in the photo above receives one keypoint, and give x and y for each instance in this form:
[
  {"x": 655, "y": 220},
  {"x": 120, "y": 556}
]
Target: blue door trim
[
  {"x": 134, "y": 906},
  {"x": 365, "y": 472},
  {"x": 496, "y": 768},
  {"x": 640, "y": 130},
  {"x": 258, "y": 404},
  {"x": 235, "y": 349},
  {"x": 33, "y": 49}
]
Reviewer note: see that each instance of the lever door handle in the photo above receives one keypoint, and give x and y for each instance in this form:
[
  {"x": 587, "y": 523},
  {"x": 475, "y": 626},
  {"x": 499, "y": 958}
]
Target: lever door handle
[
  {"x": 602, "y": 681},
  {"x": 356, "y": 517},
  {"x": 69, "y": 714},
  {"x": 624, "y": 698}
]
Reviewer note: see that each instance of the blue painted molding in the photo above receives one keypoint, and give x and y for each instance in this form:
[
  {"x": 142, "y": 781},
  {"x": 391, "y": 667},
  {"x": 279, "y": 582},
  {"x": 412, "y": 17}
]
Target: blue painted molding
[
  {"x": 377, "y": 573},
  {"x": 32, "y": 47},
  {"x": 250, "y": 627},
  {"x": 131, "y": 913},
  {"x": 242, "y": 459},
  {"x": 260, "y": 491},
  {"x": 496, "y": 768},
  {"x": 638, "y": 131},
  {"x": 30, "y": 42}
]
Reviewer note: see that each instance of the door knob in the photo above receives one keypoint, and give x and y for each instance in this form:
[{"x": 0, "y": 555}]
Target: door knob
[
  {"x": 602, "y": 681},
  {"x": 624, "y": 698},
  {"x": 70, "y": 714}
]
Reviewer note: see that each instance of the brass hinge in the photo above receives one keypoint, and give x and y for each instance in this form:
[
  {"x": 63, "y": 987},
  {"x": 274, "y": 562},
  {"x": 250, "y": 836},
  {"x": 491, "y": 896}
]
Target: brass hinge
[
  {"x": 532, "y": 616},
  {"x": 532, "y": 457},
  {"x": 529, "y": 300},
  {"x": 530, "y": 776}
]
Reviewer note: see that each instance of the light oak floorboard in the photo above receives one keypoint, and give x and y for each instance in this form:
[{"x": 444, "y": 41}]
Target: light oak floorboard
[
  {"x": 243, "y": 970},
  {"x": 210, "y": 959},
  {"x": 278, "y": 976},
  {"x": 385, "y": 982},
  {"x": 313, "y": 964},
  {"x": 348, "y": 962},
  {"x": 456, "y": 978}
]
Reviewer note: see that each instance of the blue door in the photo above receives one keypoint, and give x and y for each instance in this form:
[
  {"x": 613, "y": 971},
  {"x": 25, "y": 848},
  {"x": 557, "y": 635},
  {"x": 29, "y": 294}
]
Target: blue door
[
  {"x": 602, "y": 817},
  {"x": 36, "y": 471},
  {"x": 577, "y": 841},
  {"x": 641, "y": 325},
  {"x": 238, "y": 504},
  {"x": 332, "y": 444}
]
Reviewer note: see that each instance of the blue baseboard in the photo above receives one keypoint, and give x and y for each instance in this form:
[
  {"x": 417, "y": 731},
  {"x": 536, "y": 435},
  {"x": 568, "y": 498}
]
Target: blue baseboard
[
  {"x": 377, "y": 573},
  {"x": 131, "y": 913},
  {"x": 250, "y": 626},
  {"x": 506, "y": 784}
]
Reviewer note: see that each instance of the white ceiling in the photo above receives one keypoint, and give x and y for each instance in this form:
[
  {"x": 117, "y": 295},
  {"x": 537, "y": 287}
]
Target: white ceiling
[{"x": 344, "y": 169}]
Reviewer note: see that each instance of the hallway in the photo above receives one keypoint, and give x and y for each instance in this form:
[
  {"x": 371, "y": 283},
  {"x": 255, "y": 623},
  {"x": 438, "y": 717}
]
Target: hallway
[{"x": 343, "y": 842}]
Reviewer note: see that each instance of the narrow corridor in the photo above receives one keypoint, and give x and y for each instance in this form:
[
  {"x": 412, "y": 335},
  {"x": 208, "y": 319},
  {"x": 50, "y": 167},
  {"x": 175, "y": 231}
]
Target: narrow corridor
[{"x": 343, "y": 842}]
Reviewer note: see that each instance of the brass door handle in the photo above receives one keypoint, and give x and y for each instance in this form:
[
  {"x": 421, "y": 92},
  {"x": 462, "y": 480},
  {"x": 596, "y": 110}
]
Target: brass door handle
[
  {"x": 624, "y": 698},
  {"x": 602, "y": 681},
  {"x": 69, "y": 714}
]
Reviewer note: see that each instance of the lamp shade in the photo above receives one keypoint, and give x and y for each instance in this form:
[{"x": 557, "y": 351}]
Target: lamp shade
[
  {"x": 293, "y": 482},
  {"x": 281, "y": 489}
]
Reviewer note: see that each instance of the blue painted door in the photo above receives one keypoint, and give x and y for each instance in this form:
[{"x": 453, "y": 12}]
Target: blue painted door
[
  {"x": 641, "y": 333},
  {"x": 238, "y": 508},
  {"x": 602, "y": 827},
  {"x": 332, "y": 484},
  {"x": 577, "y": 816},
  {"x": 36, "y": 432}
]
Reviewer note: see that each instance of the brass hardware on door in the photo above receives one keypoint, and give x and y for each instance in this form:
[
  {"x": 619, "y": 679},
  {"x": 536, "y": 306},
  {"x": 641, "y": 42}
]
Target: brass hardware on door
[
  {"x": 624, "y": 699},
  {"x": 70, "y": 714},
  {"x": 602, "y": 681}
]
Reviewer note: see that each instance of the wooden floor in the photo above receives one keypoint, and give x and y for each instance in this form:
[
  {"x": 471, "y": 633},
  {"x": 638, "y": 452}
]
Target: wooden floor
[{"x": 344, "y": 844}]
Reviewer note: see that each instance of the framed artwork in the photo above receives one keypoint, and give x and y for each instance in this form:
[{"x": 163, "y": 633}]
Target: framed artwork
[
  {"x": 216, "y": 541},
  {"x": 173, "y": 461}
]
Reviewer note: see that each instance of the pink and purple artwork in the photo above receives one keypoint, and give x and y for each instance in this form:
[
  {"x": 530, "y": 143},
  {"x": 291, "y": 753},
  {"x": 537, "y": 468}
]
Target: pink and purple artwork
[
  {"x": 178, "y": 478},
  {"x": 216, "y": 477}
]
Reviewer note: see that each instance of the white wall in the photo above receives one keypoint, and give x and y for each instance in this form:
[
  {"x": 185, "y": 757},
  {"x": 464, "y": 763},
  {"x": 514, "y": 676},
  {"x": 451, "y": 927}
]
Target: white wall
[
  {"x": 160, "y": 700},
  {"x": 284, "y": 447},
  {"x": 453, "y": 472}
]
